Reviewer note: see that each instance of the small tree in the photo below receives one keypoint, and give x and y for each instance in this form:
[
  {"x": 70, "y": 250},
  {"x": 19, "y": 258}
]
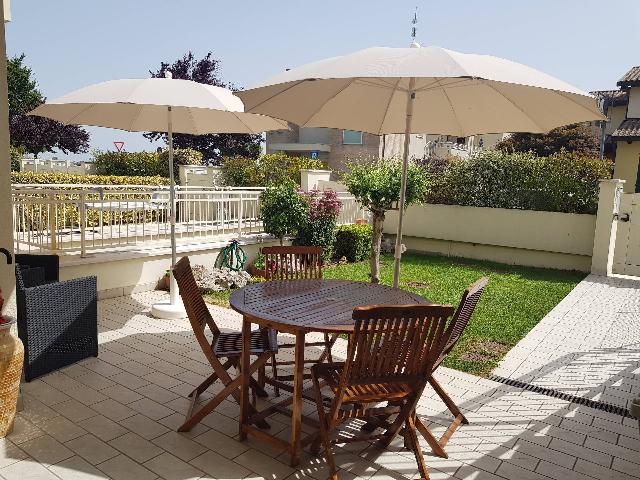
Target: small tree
[
  {"x": 376, "y": 185},
  {"x": 282, "y": 210},
  {"x": 216, "y": 146},
  {"x": 37, "y": 134},
  {"x": 578, "y": 138}
]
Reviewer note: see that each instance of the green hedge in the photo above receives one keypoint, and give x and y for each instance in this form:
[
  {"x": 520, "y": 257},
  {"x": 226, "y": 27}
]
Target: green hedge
[
  {"x": 268, "y": 169},
  {"x": 563, "y": 182},
  {"x": 58, "y": 178},
  {"x": 144, "y": 163},
  {"x": 353, "y": 242}
]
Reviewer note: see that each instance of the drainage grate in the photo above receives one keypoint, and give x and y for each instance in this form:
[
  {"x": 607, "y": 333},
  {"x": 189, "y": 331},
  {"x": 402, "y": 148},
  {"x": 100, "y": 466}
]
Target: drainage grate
[{"x": 606, "y": 407}]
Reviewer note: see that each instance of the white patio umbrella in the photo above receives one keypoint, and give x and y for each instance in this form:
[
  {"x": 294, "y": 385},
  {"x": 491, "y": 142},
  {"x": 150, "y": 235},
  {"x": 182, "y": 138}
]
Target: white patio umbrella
[
  {"x": 159, "y": 105},
  {"x": 420, "y": 90}
]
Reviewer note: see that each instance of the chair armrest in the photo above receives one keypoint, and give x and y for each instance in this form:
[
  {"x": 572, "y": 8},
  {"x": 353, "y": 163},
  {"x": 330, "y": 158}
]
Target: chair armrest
[{"x": 61, "y": 306}]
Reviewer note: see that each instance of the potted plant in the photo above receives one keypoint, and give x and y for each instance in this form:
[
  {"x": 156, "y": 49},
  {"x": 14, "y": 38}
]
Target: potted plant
[
  {"x": 257, "y": 268},
  {"x": 11, "y": 359},
  {"x": 165, "y": 282}
]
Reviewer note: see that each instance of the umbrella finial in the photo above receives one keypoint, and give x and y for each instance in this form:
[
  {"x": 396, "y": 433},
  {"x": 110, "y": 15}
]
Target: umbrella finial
[
  {"x": 168, "y": 74},
  {"x": 414, "y": 22}
]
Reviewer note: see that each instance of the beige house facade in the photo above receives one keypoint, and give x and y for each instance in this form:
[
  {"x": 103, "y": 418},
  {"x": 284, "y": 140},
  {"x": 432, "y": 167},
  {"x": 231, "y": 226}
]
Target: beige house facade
[
  {"x": 622, "y": 131},
  {"x": 337, "y": 147}
]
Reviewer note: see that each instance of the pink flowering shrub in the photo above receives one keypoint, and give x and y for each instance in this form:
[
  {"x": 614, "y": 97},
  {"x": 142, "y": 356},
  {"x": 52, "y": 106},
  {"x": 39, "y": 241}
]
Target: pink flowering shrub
[{"x": 319, "y": 228}]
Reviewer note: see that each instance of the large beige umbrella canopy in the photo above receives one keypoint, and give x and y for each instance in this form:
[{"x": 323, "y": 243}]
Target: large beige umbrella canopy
[
  {"x": 420, "y": 90},
  {"x": 159, "y": 105}
]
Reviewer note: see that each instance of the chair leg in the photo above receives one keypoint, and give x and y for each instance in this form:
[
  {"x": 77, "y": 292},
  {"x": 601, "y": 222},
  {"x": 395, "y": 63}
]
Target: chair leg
[
  {"x": 431, "y": 440},
  {"x": 274, "y": 374},
  {"x": 412, "y": 440},
  {"x": 324, "y": 433},
  {"x": 453, "y": 408}
]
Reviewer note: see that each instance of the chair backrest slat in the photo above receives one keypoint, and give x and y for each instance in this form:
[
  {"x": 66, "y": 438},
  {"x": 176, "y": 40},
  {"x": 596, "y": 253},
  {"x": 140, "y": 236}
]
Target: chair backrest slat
[
  {"x": 467, "y": 306},
  {"x": 395, "y": 343},
  {"x": 292, "y": 262},
  {"x": 194, "y": 304}
]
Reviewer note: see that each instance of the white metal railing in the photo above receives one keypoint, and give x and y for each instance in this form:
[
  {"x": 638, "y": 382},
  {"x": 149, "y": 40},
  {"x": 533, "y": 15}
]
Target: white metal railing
[{"x": 84, "y": 218}]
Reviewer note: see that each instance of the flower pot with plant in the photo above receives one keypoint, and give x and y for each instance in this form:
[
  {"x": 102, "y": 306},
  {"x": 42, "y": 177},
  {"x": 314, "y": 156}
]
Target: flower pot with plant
[{"x": 11, "y": 359}]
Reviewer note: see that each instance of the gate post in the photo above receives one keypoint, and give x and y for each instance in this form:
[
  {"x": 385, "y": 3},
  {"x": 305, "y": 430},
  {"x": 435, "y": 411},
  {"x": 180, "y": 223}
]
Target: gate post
[{"x": 606, "y": 226}]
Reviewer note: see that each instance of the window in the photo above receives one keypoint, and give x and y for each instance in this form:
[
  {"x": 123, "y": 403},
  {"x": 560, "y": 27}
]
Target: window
[{"x": 351, "y": 137}]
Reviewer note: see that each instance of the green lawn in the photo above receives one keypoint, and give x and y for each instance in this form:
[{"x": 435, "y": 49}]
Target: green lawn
[{"x": 516, "y": 299}]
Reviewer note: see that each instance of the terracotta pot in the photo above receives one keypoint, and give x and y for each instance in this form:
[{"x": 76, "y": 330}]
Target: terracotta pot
[
  {"x": 257, "y": 272},
  {"x": 362, "y": 221},
  {"x": 164, "y": 283},
  {"x": 11, "y": 358}
]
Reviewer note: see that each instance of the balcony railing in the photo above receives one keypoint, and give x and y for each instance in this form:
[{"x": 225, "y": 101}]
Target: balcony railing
[{"x": 89, "y": 218}]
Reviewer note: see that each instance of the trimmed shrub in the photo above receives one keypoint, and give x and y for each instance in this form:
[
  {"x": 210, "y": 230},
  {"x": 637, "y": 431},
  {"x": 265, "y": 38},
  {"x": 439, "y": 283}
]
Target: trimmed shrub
[
  {"x": 353, "y": 242},
  {"x": 59, "y": 178},
  {"x": 144, "y": 163},
  {"x": 319, "y": 228},
  {"x": 268, "y": 169},
  {"x": 564, "y": 182}
]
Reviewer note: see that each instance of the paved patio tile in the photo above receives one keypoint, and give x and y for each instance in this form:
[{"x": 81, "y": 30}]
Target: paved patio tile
[
  {"x": 151, "y": 409},
  {"x": 123, "y": 468},
  {"x": 74, "y": 410},
  {"x": 27, "y": 470},
  {"x": 179, "y": 445},
  {"x": 144, "y": 426},
  {"x": 172, "y": 468},
  {"x": 219, "y": 467},
  {"x": 92, "y": 449},
  {"x": 103, "y": 428},
  {"x": 62, "y": 429},
  {"x": 75, "y": 468},
  {"x": 10, "y": 453},
  {"x": 46, "y": 450},
  {"x": 136, "y": 447}
]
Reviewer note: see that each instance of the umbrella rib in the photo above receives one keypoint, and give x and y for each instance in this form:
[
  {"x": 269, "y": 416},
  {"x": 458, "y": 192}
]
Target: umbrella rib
[
  {"x": 351, "y": 81},
  {"x": 72, "y": 119},
  {"x": 386, "y": 110},
  {"x": 453, "y": 110},
  {"x": 243, "y": 122},
  {"x": 276, "y": 94},
  {"x": 193, "y": 121},
  {"x": 516, "y": 106},
  {"x": 133, "y": 120},
  {"x": 562, "y": 94}
]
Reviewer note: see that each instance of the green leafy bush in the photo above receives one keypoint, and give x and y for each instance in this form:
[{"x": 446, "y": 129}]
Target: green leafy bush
[
  {"x": 564, "y": 182},
  {"x": 144, "y": 163},
  {"x": 268, "y": 169},
  {"x": 60, "y": 178},
  {"x": 319, "y": 227},
  {"x": 282, "y": 210},
  {"x": 353, "y": 242}
]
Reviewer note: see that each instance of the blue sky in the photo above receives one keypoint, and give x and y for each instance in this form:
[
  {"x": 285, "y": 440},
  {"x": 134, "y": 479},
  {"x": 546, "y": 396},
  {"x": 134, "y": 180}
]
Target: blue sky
[{"x": 73, "y": 43}]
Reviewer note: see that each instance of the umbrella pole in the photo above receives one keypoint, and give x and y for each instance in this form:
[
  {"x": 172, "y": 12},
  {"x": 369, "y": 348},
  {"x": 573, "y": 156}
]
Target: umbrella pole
[
  {"x": 411, "y": 95},
  {"x": 173, "y": 288},
  {"x": 174, "y": 308}
]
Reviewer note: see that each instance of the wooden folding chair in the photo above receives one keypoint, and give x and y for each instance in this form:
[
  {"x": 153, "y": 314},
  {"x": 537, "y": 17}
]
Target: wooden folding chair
[
  {"x": 459, "y": 322},
  {"x": 223, "y": 352},
  {"x": 390, "y": 358},
  {"x": 466, "y": 307},
  {"x": 295, "y": 263}
]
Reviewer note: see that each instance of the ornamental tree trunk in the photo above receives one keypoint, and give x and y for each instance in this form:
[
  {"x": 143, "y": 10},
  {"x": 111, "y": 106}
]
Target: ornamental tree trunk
[{"x": 376, "y": 240}]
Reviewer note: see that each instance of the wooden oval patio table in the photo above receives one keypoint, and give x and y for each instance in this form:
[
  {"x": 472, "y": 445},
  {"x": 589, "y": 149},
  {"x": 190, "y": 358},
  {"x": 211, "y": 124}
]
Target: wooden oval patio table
[{"x": 299, "y": 307}]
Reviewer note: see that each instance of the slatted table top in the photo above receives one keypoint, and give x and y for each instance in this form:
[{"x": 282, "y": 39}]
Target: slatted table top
[{"x": 313, "y": 305}]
